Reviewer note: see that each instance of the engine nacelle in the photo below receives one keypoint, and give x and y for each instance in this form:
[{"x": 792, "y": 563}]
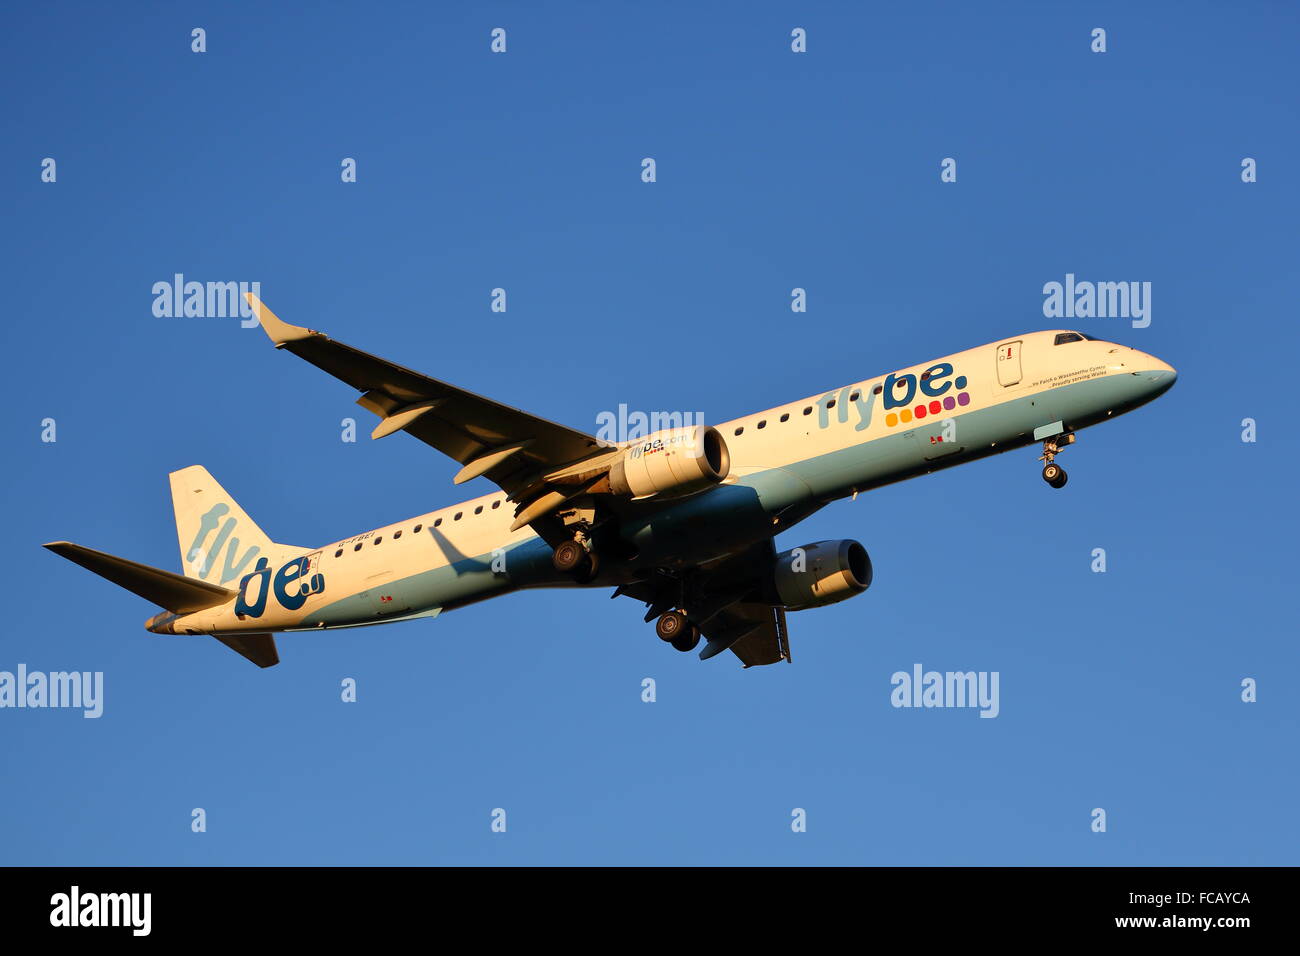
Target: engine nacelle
[
  {"x": 821, "y": 573},
  {"x": 675, "y": 461}
]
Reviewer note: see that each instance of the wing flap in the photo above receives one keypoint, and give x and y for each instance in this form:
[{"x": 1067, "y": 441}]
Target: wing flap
[
  {"x": 753, "y": 632},
  {"x": 767, "y": 644}
]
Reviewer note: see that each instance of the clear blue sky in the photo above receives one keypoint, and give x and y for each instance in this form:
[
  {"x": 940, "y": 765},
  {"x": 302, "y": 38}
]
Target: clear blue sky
[{"x": 775, "y": 170}]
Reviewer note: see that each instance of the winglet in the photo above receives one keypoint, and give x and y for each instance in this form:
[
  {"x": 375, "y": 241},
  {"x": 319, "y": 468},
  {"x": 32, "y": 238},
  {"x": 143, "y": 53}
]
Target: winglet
[{"x": 279, "y": 332}]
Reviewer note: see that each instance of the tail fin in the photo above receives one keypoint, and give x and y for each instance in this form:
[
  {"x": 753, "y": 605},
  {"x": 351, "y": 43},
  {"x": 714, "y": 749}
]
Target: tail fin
[
  {"x": 219, "y": 542},
  {"x": 178, "y": 594}
]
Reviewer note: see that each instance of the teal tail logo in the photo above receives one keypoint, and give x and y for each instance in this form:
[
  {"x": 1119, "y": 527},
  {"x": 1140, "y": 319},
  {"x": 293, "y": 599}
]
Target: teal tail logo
[{"x": 202, "y": 560}]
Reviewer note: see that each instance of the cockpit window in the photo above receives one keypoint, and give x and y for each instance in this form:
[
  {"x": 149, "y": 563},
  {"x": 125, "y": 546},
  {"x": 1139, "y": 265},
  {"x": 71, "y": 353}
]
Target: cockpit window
[{"x": 1068, "y": 337}]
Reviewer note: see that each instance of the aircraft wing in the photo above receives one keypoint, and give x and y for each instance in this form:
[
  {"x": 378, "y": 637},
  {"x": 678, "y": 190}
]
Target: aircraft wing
[
  {"x": 728, "y": 601},
  {"x": 510, "y": 447}
]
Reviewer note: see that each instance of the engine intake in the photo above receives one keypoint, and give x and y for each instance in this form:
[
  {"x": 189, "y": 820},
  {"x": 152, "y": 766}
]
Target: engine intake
[
  {"x": 821, "y": 573},
  {"x": 675, "y": 461}
]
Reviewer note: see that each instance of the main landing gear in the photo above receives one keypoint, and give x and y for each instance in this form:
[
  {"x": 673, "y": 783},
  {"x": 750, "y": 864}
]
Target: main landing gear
[
  {"x": 572, "y": 559},
  {"x": 1053, "y": 473},
  {"x": 675, "y": 628}
]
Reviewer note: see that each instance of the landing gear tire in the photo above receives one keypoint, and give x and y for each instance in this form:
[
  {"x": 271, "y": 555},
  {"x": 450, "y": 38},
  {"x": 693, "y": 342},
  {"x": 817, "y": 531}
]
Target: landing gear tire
[
  {"x": 569, "y": 556},
  {"x": 672, "y": 626},
  {"x": 1055, "y": 475},
  {"x": 688, "y": 641},
  {"x": 573, "y": 559}
]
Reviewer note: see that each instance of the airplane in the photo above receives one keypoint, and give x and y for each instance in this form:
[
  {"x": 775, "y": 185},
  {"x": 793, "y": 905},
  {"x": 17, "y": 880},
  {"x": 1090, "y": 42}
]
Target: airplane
[{"x": 682, "y": 520}]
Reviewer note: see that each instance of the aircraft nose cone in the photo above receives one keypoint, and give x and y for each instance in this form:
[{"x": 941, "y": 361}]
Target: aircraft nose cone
[
  {"x": 1161, "y": 378},
  {"x": 1156, "y": 375}
]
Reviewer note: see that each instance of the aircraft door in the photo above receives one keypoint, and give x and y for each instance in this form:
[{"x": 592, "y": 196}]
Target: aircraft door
[{"x": 1009, "y": 363}]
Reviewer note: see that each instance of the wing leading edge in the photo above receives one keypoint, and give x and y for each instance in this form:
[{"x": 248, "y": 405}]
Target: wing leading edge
[{"x": 506, "y": 445}]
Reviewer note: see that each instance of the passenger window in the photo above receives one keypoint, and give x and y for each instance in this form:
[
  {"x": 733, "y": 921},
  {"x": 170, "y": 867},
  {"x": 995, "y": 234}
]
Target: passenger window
[
  {"x": 379, "y": 539},
  {"x": 437, "y": 522},
  {"x": 831, "y": 403},
  {"x": 338, "y": 553},
  {"x": 808, "y": 410},
  {"x": 740, "y": 429},
  {"x": 877, "y": 390},
  {"x": 416, "y": 529},
  {"x": 458, "y": 514},
  {"x": 762, "y": 424},
  {"x": 357, "y": 546},
  {"x": 396, "y": 535},
  {"x": 855, "y": 396},
  {"x": 478, "y": 510},
  {"x": 496, "y": 504},
  {"x": 785, "y": 417}
]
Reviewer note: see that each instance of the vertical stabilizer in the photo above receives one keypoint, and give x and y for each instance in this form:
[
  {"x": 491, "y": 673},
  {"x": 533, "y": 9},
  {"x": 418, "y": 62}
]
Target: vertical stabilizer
[{"x": 219, "y": 543}]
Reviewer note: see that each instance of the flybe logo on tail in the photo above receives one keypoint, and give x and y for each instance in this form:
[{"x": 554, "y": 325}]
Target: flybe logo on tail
[{"x": 202, "y": 560}]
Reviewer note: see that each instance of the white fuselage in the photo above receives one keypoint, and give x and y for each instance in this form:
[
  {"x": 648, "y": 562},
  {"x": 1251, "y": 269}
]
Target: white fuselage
[{"x": 786, "y": 462}]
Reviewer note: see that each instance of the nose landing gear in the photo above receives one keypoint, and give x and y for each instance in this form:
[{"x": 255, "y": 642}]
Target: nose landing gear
[{"x": 1053, "y": 473}]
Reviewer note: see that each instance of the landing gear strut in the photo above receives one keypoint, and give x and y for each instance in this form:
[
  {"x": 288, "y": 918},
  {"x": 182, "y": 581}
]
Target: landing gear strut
[
  {"x": 1053, "y": 473},
  {"x": 677, "y": 630}
]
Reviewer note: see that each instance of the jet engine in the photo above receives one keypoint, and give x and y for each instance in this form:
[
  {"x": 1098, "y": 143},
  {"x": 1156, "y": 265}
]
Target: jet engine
[
  {"x": 821, "y": 573},
  {"x": 672, "y": 462}
]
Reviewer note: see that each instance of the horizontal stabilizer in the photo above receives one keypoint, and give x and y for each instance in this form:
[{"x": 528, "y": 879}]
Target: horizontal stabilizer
[
  {"x": 258, "y": 648},
  {"x": 175, "y": 592}
]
